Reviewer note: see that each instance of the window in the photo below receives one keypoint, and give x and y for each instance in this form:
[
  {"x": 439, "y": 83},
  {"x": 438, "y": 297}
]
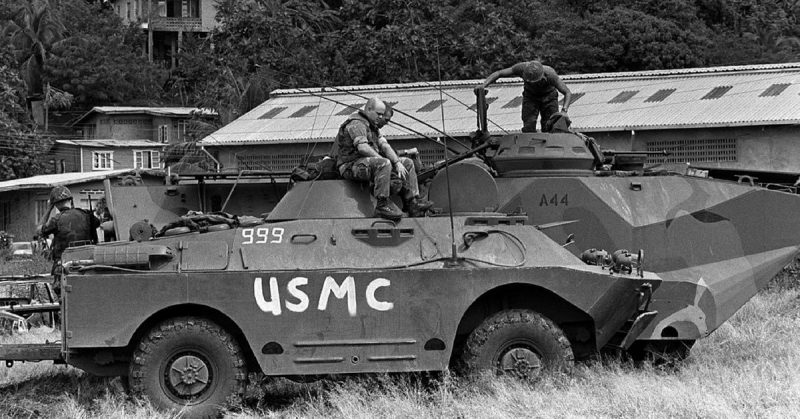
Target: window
[
  {"x": 102, "y": 160},
  {"x": 163, "y": 133},
  {"x": 5, "y": 215},
  {"x": 41, "y": 210},
  {"x": 128, "y": 10},
  {"x": 694, "y": 150},
  {"x": 146, "y": 159},
  {"x": 179, "y": 129},
  {"x": 89, "y": 132},
  {"x": 286, "y": 161}
]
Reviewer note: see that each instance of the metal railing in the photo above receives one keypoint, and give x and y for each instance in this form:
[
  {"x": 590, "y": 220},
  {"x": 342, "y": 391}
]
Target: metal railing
[{"x": 176, "y": 23}]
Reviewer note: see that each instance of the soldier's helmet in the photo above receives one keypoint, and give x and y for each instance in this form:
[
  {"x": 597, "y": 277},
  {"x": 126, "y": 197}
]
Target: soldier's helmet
[
  {"x": 58, "y": 194},
  {"x": 533, "y": 71}
]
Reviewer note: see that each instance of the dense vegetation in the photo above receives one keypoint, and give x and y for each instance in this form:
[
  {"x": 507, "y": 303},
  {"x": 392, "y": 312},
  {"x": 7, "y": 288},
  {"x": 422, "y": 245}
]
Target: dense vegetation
[{"x": 82, "y": 48}]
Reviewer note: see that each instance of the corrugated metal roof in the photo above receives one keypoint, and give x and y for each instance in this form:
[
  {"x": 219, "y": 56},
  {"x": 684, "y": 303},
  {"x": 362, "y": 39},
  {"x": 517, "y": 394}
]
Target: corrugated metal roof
[
  {"x": 156, "y": 111},
  {"x": 102, "y": 143},
  {"x": 752, "y": 100},
  {"x": 48, "y": 181}
]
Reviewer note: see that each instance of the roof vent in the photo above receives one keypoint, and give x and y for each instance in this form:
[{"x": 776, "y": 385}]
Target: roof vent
[
  {"x": 575, "y": 97},
  {"x": 660, "y": 95},
  {"x": 272, "y": 112},
  {"x": 489, "y": 101},
  {"x": 774, "y": 90},
  {"x": 514, "y": 103},
  {"x": 303, "y": 111},
  {"x": 430, "y": 106},
  {"x": 623, "y": 97},
  {"x": 349, "y": 109},
  {"x": 717, "y": 92}
]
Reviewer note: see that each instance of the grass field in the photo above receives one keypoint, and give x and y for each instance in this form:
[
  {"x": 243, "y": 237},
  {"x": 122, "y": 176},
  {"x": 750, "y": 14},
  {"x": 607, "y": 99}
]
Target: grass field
[{"x": 750, "y": 367}]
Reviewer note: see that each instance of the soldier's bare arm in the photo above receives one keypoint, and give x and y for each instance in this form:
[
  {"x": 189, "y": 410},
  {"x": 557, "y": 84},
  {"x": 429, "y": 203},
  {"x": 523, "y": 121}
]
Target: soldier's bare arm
[
  {"x": 506, "y": 72},
  {"x": 389, "y": 153},
  {"x": 561, "y": 87}
]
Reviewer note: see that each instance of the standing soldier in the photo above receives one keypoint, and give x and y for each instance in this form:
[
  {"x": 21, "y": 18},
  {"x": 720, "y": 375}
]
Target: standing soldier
[
  {"x": 70, "y": 225},
  {"x": 540, "y": 92}
]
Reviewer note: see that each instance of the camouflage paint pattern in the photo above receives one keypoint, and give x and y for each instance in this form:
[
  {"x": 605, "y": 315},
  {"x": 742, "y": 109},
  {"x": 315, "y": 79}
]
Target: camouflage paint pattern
[{"x": 714, "y": 243}]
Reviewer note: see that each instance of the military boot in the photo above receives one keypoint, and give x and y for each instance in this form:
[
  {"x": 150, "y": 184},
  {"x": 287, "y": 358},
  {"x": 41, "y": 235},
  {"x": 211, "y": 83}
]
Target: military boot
[
  {"x": 416, "y": 207},
  {"x": 385, "y": 208}
]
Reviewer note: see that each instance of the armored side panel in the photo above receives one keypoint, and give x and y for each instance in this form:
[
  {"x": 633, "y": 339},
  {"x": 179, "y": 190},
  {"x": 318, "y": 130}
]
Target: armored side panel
[
  {"x": 318, "y": 296},
  {"x": 714, "y": 243}
]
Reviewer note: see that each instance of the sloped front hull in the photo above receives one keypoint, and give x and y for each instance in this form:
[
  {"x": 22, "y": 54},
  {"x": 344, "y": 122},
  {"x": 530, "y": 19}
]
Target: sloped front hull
[{"x": 714, "y": 243}]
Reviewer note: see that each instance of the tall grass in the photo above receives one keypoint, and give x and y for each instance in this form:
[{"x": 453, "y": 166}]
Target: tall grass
[{"x": 750, "y": 367}]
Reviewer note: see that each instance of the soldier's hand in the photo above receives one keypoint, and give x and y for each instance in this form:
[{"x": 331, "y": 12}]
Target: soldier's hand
[{"x": 401, "y": 170}]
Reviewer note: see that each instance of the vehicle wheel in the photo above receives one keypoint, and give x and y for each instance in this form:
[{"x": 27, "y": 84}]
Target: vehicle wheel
[
  {"x": 190, "y": 364},
  {"x": 520, "y": 343}
]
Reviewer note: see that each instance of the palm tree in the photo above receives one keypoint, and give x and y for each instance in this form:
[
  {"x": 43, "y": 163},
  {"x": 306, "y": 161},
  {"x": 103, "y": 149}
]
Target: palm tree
[{"x": 34, "y": 29}]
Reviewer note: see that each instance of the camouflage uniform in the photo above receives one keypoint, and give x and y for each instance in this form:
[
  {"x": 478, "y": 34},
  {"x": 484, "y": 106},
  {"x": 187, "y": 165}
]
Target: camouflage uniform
[
  {"x": 378, "y": 170},
  {"x": 538, "y": 97},
  {"x": 72, "y": 225}
]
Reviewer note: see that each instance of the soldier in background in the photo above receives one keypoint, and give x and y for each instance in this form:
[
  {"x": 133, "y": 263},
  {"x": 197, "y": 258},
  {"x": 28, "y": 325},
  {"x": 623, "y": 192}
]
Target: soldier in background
[
  {"x": 70, "y": 225},
  {"x": 540, "y": 92}
]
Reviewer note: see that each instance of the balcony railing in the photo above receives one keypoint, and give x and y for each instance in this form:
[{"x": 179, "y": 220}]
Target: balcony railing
[{"x": 188, "y": 24}]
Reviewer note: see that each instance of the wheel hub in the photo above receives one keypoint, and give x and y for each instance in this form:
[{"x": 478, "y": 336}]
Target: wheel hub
[
  {"x": 521, "y": 362},
  {"x": 188, "y": 376}
]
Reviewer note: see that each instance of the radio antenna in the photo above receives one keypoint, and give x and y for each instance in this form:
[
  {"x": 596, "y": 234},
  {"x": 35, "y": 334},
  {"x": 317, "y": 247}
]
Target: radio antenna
[{"x": 454, "y": 258}]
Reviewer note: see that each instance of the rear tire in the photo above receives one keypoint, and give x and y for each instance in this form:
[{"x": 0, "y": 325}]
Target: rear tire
[
  {"x": 190, "y": 364},
  {"x": 519, "y": 343}
]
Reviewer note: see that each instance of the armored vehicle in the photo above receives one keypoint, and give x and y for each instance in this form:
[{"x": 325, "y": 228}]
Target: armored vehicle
[
  {"x": 714, "y": 243},
  {"x": 534, "y": 258},
  {"x": 187, "y": 315}
]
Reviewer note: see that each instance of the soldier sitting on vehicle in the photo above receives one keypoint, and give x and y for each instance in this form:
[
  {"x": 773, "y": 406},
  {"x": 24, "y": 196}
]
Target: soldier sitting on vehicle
[
  {"x": 70, "y": 225},
  {"x": 363, "y": 154}
]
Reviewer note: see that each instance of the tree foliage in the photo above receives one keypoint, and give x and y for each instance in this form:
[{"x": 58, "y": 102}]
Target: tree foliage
[
  {"x": 97, "y": 61},
  {"x": 34, "y": 28},
  {"x": 21, "y": 149},
  {"x": 263, "y": 45}
]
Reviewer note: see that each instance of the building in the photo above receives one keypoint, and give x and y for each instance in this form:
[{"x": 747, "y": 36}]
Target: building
[
  {"x": 167, "y": 22},
  {"x": 165, "y": 125},
  {"x": 99, "y": 155},
  {"x": 125, "y": 137},
  {"x": 738, "y": 119},
  {"x": 24, "y": 205}
]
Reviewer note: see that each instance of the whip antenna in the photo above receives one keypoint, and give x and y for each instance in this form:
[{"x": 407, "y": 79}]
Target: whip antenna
[{"x": 454, "y": 256}]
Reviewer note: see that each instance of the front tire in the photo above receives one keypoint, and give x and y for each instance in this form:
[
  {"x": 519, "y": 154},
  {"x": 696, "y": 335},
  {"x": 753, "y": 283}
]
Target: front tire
[
  {"x": 519, "y": 343},
  {"x": 190, "y": 364}
]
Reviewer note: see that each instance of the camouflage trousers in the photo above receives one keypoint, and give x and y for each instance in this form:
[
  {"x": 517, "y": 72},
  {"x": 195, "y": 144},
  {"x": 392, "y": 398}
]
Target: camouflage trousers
[
  {"x": 384, "y": 178},
  {"x": 533, "y": 106}
]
